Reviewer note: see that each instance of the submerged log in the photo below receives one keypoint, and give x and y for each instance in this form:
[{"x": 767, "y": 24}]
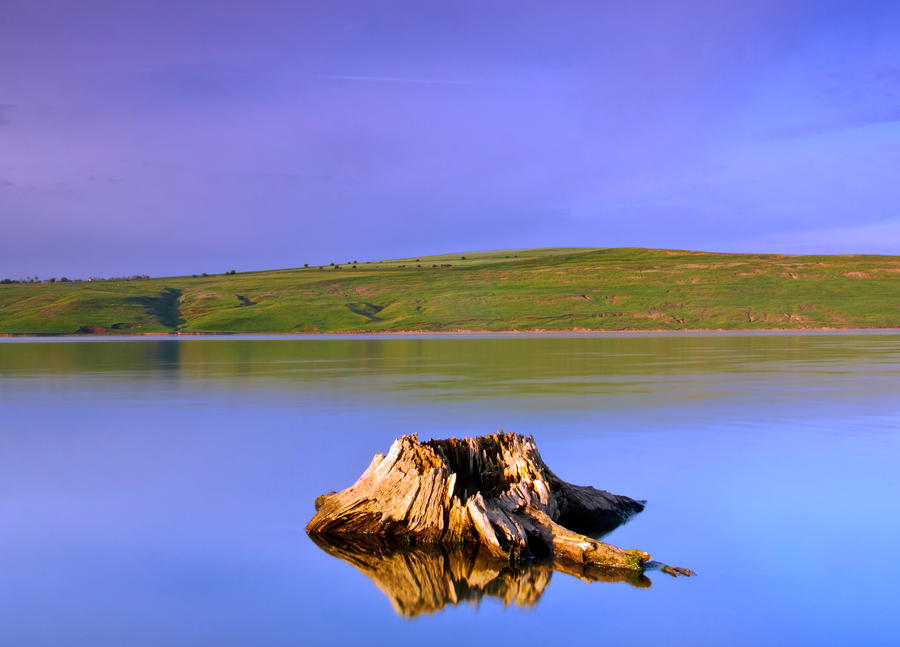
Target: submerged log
[{"x": 492, "y": 491}]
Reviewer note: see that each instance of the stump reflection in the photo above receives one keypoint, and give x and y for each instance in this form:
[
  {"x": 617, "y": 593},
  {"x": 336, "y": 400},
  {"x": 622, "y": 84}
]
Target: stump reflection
[{"x": 425, "y": 579}]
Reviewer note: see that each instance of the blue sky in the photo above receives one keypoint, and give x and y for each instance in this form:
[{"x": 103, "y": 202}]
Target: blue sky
[{"x": 164, "y": 138}]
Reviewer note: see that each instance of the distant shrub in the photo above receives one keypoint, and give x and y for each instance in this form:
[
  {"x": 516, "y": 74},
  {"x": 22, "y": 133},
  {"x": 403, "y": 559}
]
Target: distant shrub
[
  {"x": 204, "y": 274},
  {"x": 306, "y": 265},
  {"x": 133, "y": 277},
  {"x": 462, "y": 258},
  {"x": 231, "y": 272}
]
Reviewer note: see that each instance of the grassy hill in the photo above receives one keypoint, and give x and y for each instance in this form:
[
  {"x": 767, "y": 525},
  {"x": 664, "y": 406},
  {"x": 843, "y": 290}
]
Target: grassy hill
[{"x": 542, "y": 289}]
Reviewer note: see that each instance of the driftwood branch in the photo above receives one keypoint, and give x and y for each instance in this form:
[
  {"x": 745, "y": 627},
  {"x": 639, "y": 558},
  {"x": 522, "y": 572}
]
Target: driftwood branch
[{"x": 494, "y": 492}]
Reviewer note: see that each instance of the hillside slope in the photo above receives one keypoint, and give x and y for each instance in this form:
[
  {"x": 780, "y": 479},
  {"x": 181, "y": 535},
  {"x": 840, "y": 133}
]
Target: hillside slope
[{"x": 551, "y": 289}]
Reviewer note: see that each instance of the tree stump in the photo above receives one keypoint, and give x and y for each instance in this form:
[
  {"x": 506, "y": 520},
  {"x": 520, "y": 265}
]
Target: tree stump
[{"x": 492, "y": 491}]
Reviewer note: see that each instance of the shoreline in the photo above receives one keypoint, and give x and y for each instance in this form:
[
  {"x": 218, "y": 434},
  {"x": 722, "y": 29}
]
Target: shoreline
[{"x": 437, "y": 334}]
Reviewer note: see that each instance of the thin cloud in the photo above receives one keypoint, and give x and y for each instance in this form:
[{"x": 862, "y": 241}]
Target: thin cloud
[
  {"x": 850, "y": 99},
  {"x": 217, "y": 71},
  {"x": 404, "y": 80},
  {"x": 5, "y": 109},
  {"x": 874, "y": 117},
  {"x": 868, "y": 238}
]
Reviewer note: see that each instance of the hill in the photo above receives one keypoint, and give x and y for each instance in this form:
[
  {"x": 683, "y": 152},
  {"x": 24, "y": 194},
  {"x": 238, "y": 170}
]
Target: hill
[{"x": 542, "y": 289}]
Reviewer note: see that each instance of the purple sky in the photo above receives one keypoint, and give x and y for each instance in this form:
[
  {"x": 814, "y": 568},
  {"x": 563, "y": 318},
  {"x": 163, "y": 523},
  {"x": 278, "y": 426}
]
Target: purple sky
[{"x": 181, "y": 137}]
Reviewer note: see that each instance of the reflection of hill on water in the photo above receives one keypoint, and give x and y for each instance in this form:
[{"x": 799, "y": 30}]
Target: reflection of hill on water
[{"x": 425, "y": 579}]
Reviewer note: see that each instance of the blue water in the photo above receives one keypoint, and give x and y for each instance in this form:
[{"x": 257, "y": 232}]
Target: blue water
[{"x": 154, "y": 492}]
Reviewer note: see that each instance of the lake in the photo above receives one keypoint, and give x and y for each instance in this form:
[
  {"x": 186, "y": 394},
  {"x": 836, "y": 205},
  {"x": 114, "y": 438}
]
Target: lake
[{"x": 155, "y": 491}]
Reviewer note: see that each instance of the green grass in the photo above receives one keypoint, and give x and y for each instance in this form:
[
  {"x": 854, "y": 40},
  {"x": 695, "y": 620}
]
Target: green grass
[{"x": 538, "y": 289}]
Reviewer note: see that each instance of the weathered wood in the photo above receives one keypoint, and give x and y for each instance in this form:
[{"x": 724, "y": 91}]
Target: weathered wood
[{"x": 494, "y": 491}]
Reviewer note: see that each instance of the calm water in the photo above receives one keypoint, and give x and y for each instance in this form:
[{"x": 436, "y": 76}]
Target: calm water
[{"x": 154, "y": 492}]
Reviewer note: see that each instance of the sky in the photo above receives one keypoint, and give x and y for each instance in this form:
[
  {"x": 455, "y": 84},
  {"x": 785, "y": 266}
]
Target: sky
[{"x": 161, "y": 138}]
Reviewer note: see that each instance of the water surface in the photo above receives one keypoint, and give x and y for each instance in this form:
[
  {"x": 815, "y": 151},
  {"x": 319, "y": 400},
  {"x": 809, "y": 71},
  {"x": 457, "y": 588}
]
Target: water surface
[{"x": 154, "y": 492}]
